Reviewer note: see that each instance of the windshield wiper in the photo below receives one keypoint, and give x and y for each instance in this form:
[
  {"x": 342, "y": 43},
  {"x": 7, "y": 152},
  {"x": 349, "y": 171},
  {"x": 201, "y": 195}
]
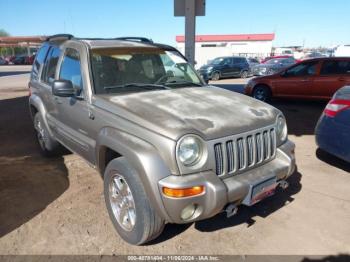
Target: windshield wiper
[
  {"x": 138, "y": 85},
  {"x": 182, "y": 82}
]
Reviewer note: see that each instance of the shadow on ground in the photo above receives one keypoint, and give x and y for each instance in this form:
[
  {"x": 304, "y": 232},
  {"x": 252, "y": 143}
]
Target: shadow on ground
[
  {"x": 332, "y": 160},
  {"x": 28, "y": 182},
  {"x": 12, "y": 73},
  {"x": 301, "y": 115}
]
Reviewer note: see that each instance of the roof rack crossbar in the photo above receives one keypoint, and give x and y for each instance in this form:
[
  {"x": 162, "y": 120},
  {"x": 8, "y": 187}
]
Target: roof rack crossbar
[
  {"x": 59, "y": 37},
  {"x": 136, "y": 39}
]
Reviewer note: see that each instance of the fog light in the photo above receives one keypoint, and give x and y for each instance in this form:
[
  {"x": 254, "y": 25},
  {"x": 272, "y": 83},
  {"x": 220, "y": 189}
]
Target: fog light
[{"x": 188, "y": 212}]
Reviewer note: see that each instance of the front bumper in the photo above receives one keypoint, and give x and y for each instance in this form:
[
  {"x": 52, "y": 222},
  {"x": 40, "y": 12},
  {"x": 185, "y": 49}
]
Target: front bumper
[
  {"x": 220, "y": 192},
  {"x": 206, "y": 75}
]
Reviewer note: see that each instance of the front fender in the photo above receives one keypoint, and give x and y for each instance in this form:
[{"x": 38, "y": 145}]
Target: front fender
[{"x": 141, "y": 155}]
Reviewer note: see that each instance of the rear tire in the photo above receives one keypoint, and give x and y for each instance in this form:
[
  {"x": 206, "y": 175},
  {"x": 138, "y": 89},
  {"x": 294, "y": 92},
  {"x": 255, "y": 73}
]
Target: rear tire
[
  {"x": 49, "y": 147},
  {"x": 262, "y": 93},
  {"x": 128, "y": 206},
  {"x": 215, "y": 76}
]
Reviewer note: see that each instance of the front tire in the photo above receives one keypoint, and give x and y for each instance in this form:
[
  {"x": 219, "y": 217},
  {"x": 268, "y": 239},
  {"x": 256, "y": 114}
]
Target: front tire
[
  {"x": 262, "y": 93},
  {"x": 215, "y": 76},
  {"x": 128, "y": 205}
]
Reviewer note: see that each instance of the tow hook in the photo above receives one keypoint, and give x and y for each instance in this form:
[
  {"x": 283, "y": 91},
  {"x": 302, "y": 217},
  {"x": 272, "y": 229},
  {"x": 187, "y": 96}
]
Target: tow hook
[
  {"x": 231, "y": 210},
  {"x": 283, "y": 184}
]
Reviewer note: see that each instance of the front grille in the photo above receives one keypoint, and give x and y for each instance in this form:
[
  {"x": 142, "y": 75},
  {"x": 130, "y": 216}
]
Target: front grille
[{"x": 238, "y": 154}]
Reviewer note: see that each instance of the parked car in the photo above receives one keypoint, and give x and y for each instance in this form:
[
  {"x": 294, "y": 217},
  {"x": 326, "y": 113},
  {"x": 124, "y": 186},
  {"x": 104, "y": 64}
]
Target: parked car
[
  {"x": 274, "y": 57},
  {"x": 29, "y": 60},
  {"x": 19, "y": 60},
  {"x": 314, "y": 55},
  {"x": 253, "y": 61},
  {"x": 170, "y": 148},
  {"x": 333, "y": 127},
  {"x": 316, "y": 78},
  {"x": 10, "y": 59},
  {"x": 272, "y": 66},
  {"x": 222, "y": 67},
  {"x": 3, "y": 61}
]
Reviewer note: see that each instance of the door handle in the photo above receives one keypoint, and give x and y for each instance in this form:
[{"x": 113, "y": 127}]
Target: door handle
[{"x": 342, "y": 79}]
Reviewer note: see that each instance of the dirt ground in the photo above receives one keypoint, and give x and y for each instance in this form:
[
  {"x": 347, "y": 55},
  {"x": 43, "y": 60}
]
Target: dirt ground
[{"x": 56, "y": 206}]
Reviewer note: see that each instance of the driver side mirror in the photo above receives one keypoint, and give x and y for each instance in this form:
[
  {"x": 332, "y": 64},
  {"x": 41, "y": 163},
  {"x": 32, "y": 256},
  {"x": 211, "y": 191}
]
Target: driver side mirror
[{"x": 63, "y": 88}]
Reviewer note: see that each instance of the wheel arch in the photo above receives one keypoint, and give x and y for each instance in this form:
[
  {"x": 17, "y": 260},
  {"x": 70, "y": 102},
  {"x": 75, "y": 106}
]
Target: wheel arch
[{"x": 140, "y": 155}]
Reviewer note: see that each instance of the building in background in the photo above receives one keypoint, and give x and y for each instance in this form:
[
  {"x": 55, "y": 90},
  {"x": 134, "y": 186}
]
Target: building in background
[{"x": 209, "y": 47}]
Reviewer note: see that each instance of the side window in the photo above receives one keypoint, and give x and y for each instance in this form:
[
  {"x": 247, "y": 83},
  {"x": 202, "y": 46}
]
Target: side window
[
  {"x": 227, "y": 61},
  {"x": 48, "y": 74},
  {"x": 70, "y": 68},
  {"x": 39, "y": 60},
  {"x": 304, "y": 69},
  {"x": 335, "y": 67}
]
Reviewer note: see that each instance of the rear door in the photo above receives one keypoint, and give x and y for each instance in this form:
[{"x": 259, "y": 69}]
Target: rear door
[
  {"x": 46, "y": 79},
  {"x": 334, "y": 74},
  {"x": 239, "y": 64},
  {"x": 296, "y": 81}
]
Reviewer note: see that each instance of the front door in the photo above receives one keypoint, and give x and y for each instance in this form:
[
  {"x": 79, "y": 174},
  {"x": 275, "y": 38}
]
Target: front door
[
  {"x": 296, "y": 81},
  {"x": 226, "y": 69},
  {"x": 73, "y": 117}
]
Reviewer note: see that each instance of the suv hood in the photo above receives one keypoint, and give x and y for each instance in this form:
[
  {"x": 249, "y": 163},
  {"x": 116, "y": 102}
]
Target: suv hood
[{"x": 209, "y": 112}]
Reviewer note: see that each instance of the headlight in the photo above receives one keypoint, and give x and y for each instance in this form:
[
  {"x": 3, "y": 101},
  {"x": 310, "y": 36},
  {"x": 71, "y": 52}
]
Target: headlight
[
  {"x": 282, "y": 131},
  {"x": 190, "y": 150},
  {"x": 209, "y": 68},
  {"x": 263, "y": 69}
]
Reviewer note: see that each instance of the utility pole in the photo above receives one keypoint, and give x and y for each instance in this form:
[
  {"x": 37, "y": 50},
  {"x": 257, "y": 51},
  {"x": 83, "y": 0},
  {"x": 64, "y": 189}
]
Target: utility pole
[
  {"x": 189, "y": 9},
  {"x": 190, "y": 30}
]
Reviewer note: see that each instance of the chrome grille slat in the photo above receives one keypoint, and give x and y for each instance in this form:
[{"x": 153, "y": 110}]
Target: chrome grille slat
[
  {"x": 244, "y": 152},
  {"x": 219, "y": 161}
]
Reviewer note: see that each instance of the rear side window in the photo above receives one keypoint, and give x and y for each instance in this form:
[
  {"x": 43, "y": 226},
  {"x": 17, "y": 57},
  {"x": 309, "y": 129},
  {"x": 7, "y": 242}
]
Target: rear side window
[
  {"x": 39, "y": 60},
  {"x": 48, "y": 74},
  {"x": 70, "y": 68},
  {"x": 239, "y": 60},
  {"x": 335, "y": 67}
]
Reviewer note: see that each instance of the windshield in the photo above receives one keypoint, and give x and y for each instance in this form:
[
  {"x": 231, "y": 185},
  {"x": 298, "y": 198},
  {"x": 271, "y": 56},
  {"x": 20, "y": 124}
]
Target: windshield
[{"x": 120, "y": 70}]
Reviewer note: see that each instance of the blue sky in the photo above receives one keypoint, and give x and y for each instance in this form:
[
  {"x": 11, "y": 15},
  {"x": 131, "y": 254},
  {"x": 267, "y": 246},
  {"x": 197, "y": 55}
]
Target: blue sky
[{"x": 315, "y": 22}]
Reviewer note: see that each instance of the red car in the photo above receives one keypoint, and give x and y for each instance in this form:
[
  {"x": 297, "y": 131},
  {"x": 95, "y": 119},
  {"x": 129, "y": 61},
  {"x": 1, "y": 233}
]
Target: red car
[{"x": 317, "y": 78}]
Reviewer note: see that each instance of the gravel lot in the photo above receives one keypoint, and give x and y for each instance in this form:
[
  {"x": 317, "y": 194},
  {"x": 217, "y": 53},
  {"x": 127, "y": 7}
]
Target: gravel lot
[{"x": 56, "y": 206}]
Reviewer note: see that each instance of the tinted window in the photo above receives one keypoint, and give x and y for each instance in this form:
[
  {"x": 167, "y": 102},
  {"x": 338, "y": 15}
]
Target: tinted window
[
  {"x": 304, "y": 69},
  {"x": 239, "y": 60},
  {"x": 335, "y": 67},
  {"x": 39, "y": 60},
  {"x": 48, "y": 75},
  {"x": 70, "y": 68},
  {"x": 253, "y": 60},
  {"x": 227, "y": 61}
]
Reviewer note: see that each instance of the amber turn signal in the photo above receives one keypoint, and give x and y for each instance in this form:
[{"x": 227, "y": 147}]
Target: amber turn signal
[{"x": 183, "y": 192}]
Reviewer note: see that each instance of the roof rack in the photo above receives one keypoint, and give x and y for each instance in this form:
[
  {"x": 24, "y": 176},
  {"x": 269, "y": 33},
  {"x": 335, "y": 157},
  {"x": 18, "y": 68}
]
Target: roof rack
[
  {"x": 59, "y": 37},
  {"x": 135, "y": 39}
]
